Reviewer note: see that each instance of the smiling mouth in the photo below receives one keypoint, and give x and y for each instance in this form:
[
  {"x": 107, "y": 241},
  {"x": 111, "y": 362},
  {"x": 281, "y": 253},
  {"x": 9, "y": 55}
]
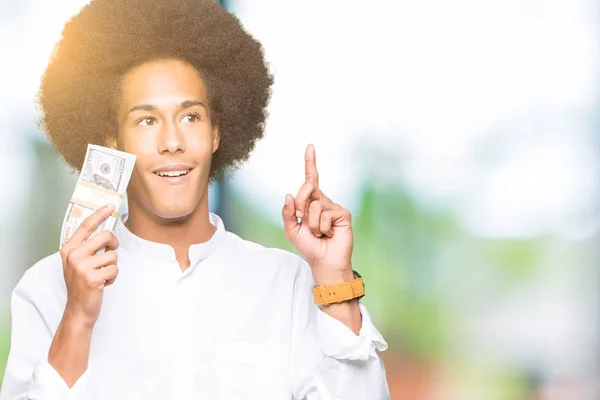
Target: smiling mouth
[{"x": 172, "y": 174}]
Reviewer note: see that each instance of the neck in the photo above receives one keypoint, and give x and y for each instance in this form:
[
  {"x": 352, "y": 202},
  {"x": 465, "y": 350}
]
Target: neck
[{"x": 194, "y": 228}]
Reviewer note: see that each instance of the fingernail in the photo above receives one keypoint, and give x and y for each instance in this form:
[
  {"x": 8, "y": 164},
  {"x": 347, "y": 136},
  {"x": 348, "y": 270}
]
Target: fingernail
[
  {"x": 287, "y": 200},
  {"x": 110, "y": 206},
  {"x": 299, "y": 214},
  {"x": 319, "y": 235}
]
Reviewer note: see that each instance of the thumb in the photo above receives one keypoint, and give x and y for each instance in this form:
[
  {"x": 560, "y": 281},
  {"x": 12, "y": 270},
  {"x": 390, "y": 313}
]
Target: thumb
[{"x": 290, "y": 222}]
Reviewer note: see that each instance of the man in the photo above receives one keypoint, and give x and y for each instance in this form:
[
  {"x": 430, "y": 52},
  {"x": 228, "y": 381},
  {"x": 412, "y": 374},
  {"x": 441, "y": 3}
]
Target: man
[{"x": 177, "y": 307}]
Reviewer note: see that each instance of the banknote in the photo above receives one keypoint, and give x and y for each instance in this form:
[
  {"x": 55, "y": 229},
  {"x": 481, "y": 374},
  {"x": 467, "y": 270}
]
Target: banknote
[
  {"x": 103, "y": 180},
  {"x": 103, "y": 168}
]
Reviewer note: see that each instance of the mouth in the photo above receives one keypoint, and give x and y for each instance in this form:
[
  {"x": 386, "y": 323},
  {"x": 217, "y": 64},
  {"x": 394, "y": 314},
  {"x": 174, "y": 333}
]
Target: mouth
[{"x": 173, "y": 174}]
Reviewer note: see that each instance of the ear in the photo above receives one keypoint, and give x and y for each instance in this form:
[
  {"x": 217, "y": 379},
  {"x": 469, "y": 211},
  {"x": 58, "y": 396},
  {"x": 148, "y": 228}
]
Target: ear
[
  {"x": 110, "y": 141},
  {"x": 216, "y": 137}
]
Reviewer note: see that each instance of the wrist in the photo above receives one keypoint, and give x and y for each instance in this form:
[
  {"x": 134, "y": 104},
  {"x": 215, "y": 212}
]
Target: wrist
[
  {"x": 333, "y": 277},
  {"x": 70, "y": 347},
  {"x": 76, "y": 320}
]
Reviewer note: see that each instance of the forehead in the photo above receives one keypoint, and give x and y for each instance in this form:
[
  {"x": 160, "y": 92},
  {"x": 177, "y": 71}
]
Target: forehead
[{"x": 162, "y": 83}]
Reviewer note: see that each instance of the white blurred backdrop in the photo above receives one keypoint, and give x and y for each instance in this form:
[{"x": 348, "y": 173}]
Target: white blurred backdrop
[{"x": 477, "y": 121}]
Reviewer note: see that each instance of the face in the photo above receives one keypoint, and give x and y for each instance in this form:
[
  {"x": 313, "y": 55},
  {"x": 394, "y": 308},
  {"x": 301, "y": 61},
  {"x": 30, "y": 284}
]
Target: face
[{"x": 164, "y": 119}]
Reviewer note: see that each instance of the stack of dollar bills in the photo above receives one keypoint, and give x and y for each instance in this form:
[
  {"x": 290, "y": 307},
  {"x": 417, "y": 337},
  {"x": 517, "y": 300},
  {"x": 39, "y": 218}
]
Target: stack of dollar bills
[{"x": 103, "y": 180}]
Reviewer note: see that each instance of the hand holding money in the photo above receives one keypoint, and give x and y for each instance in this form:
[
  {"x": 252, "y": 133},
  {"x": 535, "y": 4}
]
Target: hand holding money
[
  {"x": 87, "y": 273},
  {"x": 87, "y": 230}
]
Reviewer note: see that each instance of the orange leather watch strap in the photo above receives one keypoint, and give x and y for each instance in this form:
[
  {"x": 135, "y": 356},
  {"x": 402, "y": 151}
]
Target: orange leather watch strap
[{"x": 338, "y": 293}]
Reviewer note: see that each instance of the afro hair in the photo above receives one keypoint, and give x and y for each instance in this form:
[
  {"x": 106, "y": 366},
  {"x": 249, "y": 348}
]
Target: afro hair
[{"x": 81, "y": 85}]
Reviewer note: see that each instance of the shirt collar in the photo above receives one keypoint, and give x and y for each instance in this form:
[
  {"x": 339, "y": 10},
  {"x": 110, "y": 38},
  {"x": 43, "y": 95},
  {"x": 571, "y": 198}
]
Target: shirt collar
[{"x": 164, "y": 252}]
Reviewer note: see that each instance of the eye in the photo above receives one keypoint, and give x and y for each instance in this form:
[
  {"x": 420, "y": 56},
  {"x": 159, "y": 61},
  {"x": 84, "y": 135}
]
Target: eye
[
  {"x": 146, "y": 121},
  {"x": 191, "y": 118}
]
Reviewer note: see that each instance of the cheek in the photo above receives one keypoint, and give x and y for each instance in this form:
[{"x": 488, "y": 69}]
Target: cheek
[
  {"x": 201, "y": 151},
  {"x": 138, "y": 144},
  {"x": 139, "y": 181},
  {"x": 197, "y": 135}
]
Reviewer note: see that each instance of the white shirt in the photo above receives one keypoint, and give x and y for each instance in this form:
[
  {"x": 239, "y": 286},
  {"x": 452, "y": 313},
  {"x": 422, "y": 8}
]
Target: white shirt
[{"x": 239, "y": 323}]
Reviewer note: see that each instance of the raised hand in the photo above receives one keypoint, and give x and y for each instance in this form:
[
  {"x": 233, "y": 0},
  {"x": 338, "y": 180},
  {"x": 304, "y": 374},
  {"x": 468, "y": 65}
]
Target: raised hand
[{"x": 320, "y": 229}]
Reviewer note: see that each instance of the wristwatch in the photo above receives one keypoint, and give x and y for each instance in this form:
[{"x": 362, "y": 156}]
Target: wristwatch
[{"x": 338, "y": 293}]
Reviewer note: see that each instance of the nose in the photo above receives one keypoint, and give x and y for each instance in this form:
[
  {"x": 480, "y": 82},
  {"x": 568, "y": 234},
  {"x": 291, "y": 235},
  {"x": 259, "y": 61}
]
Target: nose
[{"x": 172, "y": 139}]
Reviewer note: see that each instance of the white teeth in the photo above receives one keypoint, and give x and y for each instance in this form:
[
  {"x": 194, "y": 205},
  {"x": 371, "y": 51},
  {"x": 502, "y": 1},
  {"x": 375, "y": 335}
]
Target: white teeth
[{"x": 173, "y": 173}]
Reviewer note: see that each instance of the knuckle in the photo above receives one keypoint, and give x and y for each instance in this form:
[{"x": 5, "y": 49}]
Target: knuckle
[
  {"x": 105, "y": 236},
  {"x": 64, "y": 253},
  {"x": 71, "y": 258},
  {"x": 86, "y": 223},
  {"x": 79, "y": 265}
]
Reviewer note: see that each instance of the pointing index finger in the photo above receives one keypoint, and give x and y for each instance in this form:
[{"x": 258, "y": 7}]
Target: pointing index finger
[{"x": 310, "y": 165}]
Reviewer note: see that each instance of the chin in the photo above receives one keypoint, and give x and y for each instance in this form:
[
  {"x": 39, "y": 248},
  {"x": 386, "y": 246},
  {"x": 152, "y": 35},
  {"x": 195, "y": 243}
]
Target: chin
[{"x": 174, "y": 215}]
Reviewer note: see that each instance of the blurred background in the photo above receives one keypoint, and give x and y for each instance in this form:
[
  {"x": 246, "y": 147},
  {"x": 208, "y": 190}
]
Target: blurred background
[{"x": 463, "y": 136}]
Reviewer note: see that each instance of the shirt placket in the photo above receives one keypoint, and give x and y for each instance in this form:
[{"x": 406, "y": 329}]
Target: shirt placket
[{"x": 181, "y": 340}]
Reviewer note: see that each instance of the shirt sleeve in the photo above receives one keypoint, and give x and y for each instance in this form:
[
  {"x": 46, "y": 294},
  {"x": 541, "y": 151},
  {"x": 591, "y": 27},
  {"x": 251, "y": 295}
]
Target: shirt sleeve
[
  {"x": 330, "y": 362},
  {"x": 28, "y": 374}
]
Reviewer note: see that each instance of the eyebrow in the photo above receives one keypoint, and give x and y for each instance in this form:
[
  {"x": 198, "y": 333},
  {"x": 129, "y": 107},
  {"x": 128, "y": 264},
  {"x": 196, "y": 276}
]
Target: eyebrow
[{"x": 183, "y": 105}]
